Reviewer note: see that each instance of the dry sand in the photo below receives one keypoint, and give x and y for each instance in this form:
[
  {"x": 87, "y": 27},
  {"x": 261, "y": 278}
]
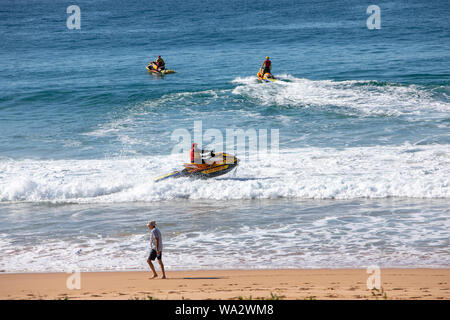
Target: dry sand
[{"x": 231, "y": 284}]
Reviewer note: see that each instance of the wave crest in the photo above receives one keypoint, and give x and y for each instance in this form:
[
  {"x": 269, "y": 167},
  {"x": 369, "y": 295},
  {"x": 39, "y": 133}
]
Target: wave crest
[
  {"x": 308, "y": 173},
  {"x": 355, "y": 97}
]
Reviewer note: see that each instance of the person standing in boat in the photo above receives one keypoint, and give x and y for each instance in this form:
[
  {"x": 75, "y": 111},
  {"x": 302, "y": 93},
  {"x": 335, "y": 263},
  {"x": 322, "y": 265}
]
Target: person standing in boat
[
  {"x": 197, "y": 155},
  {"x": 266, "y": 67}
]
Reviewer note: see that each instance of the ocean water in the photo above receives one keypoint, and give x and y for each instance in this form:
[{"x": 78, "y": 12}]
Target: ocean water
[{"x": 362, "y": 175}]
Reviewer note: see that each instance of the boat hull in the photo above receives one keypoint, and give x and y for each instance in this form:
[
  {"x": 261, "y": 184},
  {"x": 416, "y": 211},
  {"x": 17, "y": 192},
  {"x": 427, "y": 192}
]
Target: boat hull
[{"x": 222, "y": 164}]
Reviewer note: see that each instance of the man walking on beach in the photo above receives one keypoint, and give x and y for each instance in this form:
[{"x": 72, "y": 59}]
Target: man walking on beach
[{"x": 156, "y": 249}]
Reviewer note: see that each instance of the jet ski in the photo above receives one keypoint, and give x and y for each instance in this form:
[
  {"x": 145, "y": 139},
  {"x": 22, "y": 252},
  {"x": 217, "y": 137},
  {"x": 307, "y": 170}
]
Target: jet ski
[
  {"x": 218, "y": 165},
  {"x": 268, "y": 77},
  {"x": 152, "y": 68}
]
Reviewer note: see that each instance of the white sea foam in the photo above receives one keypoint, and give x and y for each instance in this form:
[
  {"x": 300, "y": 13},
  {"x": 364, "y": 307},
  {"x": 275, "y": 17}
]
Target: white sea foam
[
  {"x": 305, "y": 173},
  {"x": 356, "y": 97},
  {"x": 349, "y": 240}
]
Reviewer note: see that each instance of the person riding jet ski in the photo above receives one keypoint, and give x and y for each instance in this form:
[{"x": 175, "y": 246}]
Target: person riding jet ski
[
  {"x": 199, "y": 156},
  {"x": 219, "y": 164},
  {"x": 266, "y": 67},
  {"x": 159, "y": 63}
]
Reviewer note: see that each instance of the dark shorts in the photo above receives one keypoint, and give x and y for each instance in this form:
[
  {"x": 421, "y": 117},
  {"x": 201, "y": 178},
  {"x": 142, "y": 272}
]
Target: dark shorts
[{"x": 153, "y": 255}]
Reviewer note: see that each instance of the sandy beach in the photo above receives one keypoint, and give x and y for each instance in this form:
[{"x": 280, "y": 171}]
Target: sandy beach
[{"x": 230, "y": 284}]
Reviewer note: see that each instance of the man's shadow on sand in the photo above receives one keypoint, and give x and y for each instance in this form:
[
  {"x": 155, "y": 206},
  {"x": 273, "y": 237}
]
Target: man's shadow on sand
[{"x": 201, "y": 278}]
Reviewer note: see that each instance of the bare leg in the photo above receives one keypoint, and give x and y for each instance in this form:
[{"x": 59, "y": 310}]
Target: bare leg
[
  {"x": 155, "y": 275},
  {"x": 162, "y": 269}
]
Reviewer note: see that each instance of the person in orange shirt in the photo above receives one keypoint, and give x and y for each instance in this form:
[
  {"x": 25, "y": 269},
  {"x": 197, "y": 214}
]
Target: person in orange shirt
[{"x": 266, "y": 67}]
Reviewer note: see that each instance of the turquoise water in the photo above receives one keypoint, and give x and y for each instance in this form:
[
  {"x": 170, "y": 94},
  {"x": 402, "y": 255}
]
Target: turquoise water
[{"x": 363, "y": 119}]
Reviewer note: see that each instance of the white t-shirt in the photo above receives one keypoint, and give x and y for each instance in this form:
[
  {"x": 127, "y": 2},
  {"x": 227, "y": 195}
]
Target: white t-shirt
[{"x": 154, "y": 234}]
